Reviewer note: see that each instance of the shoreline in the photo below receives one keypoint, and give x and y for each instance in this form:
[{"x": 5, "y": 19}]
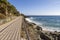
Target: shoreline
[
  {"x": 51, "y": 29},
  {"x": 36, "y": 32}
]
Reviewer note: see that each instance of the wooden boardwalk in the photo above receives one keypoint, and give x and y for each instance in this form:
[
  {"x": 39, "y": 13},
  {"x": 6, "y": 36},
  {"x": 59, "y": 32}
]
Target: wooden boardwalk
[{"x": 11, "y": 31}]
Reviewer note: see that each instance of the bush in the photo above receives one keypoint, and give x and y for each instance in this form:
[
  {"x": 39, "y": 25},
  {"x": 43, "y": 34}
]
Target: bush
[{"x": 2, "y": 16}]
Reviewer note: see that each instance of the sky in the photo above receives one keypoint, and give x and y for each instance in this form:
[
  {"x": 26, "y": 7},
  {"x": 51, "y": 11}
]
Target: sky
[{"x": 37, "y": 7}]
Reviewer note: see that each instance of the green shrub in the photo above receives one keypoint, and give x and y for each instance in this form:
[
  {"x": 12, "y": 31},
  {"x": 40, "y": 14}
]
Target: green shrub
[{"x": 2, "y": 16}]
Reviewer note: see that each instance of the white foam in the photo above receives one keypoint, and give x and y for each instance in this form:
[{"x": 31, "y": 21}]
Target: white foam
[
  {"x": 28, "y": 19},
  {"x": 44, "y": 28},
  {"x": 51, "y": 29}
]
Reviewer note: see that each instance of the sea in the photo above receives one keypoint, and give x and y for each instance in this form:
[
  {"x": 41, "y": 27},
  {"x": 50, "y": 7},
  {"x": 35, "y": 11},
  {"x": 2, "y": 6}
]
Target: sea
[{"x": 48, "y": 23}]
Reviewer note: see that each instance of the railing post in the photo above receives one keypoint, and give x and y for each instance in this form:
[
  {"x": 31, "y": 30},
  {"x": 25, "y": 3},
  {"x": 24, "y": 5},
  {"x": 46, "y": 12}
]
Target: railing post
[{"x": 27, "y": 34}]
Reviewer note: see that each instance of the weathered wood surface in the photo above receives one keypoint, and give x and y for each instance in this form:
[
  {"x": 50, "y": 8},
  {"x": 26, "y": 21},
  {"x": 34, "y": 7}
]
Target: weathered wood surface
[{"x": 11, "y": 30}]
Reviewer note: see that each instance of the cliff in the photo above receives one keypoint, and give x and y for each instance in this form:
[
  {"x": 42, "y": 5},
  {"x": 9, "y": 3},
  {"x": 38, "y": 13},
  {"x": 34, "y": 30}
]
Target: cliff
[
  {"x": 29, "y": 31},
  {"x": 7, "y": 12},
  {"x": 8, "y": 9}
]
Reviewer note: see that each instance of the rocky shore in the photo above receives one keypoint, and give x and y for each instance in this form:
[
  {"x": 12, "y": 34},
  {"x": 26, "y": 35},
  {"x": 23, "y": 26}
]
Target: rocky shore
[{"x": 31, "y": 31}]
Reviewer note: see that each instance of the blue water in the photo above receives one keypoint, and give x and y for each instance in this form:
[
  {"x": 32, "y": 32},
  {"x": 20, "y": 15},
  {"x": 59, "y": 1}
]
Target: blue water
[{"x": 51, "y": 23}]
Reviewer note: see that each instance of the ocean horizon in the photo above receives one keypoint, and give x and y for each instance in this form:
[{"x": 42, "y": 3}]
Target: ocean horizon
[{"x": 49, "y": 23}]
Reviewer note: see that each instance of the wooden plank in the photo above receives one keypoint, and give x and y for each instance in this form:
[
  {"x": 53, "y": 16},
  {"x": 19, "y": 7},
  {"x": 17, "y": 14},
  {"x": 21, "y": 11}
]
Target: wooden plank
[{"x": 12, "y": 32}]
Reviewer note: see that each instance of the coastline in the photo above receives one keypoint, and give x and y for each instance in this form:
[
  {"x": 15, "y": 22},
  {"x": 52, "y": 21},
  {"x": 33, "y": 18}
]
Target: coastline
[
  {"x": 44, "y": 29},
  {"x": 51, "y": 29},
  {"x": 33, "y": 31}
]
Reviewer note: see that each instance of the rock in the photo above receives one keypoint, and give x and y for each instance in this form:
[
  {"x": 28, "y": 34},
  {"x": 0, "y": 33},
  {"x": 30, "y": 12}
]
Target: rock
[{"x": 39, "y": 28}]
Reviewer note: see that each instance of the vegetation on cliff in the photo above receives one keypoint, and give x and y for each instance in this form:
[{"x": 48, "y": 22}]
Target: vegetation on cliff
[
  {"x": 8, "y": 9},
  {"x": 7, "y": 12}
]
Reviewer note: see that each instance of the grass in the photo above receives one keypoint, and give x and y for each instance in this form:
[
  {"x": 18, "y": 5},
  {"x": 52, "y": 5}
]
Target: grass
[
  {"x": 4, "y": 19},
  {"x": 31, "y": 30},
  {"x": 2, "y": 16}
]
